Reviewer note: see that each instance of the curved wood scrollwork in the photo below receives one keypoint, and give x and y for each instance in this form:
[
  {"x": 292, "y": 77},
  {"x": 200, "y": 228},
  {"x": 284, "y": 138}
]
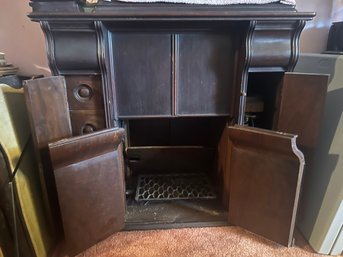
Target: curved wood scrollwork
[{"x": 50, "y": 47}]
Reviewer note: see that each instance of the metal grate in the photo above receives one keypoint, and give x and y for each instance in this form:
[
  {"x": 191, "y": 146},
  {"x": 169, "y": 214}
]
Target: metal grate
[{"x": 175, "y": 186}]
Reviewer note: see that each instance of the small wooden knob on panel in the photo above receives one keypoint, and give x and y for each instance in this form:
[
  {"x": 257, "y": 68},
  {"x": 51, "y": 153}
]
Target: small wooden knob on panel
[
  {"x": 83, "y": 92},
  {"x": 88, "y": 128}
]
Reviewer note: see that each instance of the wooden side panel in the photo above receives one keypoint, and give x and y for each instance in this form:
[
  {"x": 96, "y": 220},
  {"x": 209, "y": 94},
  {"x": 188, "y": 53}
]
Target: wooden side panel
[
  {"x": 176, "y": 132},
  {"x": 142, "y": 64},
  {"x": 87, "y": 121},
  {"x": 300, "y": 106},
  {"x": 89, "y": 176},
  {"x": 46, "y": 101},
  {"x": 84, "y": 92},
  {"x": 148, "y": 160},
  {"x": 205, "y": 74},
  {"x": 223, "y": 162},
  {"x": 265, "y": 177},
  {"x": 85, "y": 104}
]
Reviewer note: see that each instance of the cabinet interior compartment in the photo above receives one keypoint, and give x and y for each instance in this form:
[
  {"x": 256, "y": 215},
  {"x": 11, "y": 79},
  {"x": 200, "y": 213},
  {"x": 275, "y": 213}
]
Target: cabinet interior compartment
[
  {"x": 261, "y": 101},
  {"x": 171, "y": 172}
]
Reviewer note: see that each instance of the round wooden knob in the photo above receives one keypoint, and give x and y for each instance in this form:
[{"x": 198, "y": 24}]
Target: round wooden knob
[
  {"x": 88, "y": 128},
  {"x": 83, "y": 92}
]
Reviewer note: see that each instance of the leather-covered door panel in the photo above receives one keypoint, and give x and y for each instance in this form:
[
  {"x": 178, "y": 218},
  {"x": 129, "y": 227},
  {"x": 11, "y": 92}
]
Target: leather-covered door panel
[
  {"x": 90, "y": 185},
  {"x": 265, "y": 176}
]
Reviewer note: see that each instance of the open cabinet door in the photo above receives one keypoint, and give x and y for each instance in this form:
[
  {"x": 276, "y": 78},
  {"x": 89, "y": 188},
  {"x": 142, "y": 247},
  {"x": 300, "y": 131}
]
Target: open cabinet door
[
  {"x": 265, "y": 177},
  {"x": 300, "y": 106},
  {"x": 89, "y": 177}
]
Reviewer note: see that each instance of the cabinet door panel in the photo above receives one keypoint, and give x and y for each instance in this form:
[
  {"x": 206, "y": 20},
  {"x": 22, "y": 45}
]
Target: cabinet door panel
[
  {"x": 300, "y": 105},
  {"x": 142, "y": 66},
  {"x": 205, "y": 73},
  {"x": 90, "y": 186},
  {"x": 48, "y": 112},
  {"x": 265, "y": 176}
]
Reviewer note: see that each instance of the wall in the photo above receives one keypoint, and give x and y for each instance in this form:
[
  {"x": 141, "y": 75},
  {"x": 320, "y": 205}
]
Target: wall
[
  {"x": 314, "y": 36},
  {"x": 337, "y": 10},
  {"x": 23, "y": 41}
]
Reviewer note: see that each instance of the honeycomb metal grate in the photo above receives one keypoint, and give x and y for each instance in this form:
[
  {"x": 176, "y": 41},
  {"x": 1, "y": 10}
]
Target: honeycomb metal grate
[{"x": 172, "y": 187}]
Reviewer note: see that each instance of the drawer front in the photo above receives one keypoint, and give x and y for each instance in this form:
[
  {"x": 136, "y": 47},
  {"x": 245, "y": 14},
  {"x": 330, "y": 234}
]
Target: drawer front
[
  {"x": 84, "y": 92},
  {"x": 87, "y": 121}
]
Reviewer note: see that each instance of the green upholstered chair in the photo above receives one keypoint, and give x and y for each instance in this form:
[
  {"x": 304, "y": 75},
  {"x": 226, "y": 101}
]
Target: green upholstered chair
[{"x": 24, "y": 227}]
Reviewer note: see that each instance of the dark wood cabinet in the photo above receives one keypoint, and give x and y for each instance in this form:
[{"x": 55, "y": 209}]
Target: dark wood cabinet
[{"x": 176, "y": 79}]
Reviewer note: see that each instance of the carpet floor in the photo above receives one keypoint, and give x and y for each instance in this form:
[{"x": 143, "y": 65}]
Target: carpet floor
[{"x": 195, "y": 242}]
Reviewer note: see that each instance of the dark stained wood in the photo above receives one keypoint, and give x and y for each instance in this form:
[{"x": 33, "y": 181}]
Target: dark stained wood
[
  {"x": 300, "y": 105},
  {"x": 46, "y": 101},
  {"x": 168, "y": 60},
  {"x": 74, "y": 48},
  {"x": 265, "y": 177},
  {"x": 271, "y": 54},
  {"x": 118, "y": 10},
  {"x": 264, "y": 85},
  {"x": 204, "y": 131},
  {"x": 267, "y": 39},
  {"x": 87, "y": 121},
  {"x": 170, "y": 160},
  {"x": 143, "y": 69},
  {"x": 205, "y": 73},
  {"x": 145, "y": 132},
  {"x": 89, "y": 176},
  {"x": 84, "y": 92},
  {"x": 223, "y": 162}
]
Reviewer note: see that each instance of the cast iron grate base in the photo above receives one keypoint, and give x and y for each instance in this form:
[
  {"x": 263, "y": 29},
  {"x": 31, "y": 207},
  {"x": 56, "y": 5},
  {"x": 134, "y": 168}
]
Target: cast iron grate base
[{"x": 173, "y": 187}]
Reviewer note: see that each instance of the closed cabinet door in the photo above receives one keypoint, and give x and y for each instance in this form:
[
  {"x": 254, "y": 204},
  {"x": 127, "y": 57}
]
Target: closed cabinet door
[
  {"x": 142, "y": 66},
  {"x": 90, "y": 184}
]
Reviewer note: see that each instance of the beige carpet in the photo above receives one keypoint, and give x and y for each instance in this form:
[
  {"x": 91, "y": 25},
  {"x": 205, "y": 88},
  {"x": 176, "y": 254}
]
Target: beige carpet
[{"x": 194, "y": 242}]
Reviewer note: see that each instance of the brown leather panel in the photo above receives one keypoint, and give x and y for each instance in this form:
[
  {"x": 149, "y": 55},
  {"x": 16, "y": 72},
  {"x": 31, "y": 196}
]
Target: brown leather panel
[
  {"x": 90, "y": 185},
  {"x": 265, "y": 178},
  {"x": 299, "y": 107}
]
